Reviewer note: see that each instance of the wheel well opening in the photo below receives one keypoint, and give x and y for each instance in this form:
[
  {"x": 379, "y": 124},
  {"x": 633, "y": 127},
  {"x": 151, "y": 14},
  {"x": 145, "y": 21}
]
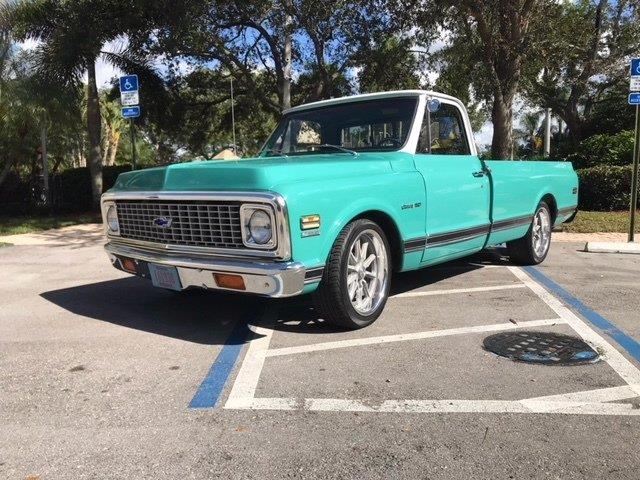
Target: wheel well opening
[
  {"x": 391, "y": 231},
  {"x": 553, "y": 206}
]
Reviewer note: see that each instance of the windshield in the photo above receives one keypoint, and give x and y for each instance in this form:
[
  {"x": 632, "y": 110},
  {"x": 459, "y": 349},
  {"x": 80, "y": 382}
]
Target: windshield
[{"x": 371, "y": 126}]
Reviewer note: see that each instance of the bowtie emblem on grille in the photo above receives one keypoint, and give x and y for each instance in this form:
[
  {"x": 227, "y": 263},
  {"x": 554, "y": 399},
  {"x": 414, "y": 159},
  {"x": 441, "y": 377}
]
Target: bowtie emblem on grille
[{"x": 162, "y": 222}]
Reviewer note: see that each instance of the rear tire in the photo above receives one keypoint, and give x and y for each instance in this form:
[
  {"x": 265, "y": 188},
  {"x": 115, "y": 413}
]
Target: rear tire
[
  {"x": 533, "y": 248},
  {"x": 355, "y": 284}
]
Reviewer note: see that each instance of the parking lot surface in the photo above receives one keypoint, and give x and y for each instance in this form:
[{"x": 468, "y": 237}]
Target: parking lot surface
[{"x": 104, "y": 376}]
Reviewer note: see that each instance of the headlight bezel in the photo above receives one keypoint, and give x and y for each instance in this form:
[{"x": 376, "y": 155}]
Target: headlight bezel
[
  {"x": 107, "y": 207},
  {"x": 246, "y": 213}
]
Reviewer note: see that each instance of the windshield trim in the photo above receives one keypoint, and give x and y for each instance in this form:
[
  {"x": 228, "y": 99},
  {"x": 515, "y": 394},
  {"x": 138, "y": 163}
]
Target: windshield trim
[{"x": 267, "y": 146}]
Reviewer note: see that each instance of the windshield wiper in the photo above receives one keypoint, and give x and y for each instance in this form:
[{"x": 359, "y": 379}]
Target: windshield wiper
[
  {"x": 338, "y": 147},
  {"x": 277, "y": 151}
]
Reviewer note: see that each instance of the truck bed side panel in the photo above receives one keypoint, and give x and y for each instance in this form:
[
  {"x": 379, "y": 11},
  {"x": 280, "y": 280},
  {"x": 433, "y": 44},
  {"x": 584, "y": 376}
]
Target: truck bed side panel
[{"x": 518, "y": 187}]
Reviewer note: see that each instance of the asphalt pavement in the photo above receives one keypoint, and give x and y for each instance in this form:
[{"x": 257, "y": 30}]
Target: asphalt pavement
[{"x": 104, "y": 376}]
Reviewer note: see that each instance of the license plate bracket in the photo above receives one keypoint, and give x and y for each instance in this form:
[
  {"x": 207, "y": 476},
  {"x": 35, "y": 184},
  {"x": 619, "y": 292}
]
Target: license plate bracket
[{"x": 164, "y": 276}]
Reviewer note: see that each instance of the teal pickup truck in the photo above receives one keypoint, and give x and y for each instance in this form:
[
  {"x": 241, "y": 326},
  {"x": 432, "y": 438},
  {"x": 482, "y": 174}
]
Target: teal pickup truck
[{"x": 345, "y": 193}]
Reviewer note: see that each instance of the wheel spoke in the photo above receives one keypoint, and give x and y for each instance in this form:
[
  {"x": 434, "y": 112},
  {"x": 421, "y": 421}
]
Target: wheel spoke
[
  {"x": 369, "y": 260},
  {"x": 363, "y": 251}
]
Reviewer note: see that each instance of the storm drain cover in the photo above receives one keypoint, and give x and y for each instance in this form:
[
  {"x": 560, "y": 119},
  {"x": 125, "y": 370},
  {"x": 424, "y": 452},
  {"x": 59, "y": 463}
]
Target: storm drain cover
[{"x": 541, "y": 347}]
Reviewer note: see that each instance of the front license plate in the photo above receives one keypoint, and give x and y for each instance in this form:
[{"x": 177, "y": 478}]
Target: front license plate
[{"x": 165, "y": 277}]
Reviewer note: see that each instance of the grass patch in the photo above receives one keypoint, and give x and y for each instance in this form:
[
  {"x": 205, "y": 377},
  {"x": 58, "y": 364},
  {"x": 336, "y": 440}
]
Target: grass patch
[
  {"x": 592, "y": 222},
  {"x": 30, "y": 224},
  {"x": 5, "y": 244}
]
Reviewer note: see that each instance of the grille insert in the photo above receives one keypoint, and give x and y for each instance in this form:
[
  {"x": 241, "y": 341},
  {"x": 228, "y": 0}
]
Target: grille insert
[{"x": 190, "y": 223}]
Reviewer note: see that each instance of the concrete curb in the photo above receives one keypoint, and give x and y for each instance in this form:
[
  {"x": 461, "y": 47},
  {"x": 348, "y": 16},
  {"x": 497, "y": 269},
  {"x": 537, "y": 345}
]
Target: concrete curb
[{"x": 612, "y": 247}]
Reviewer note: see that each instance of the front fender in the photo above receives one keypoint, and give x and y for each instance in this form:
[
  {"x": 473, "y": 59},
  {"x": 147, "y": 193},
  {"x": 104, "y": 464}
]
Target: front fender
[{"x": 400, "y": 196}]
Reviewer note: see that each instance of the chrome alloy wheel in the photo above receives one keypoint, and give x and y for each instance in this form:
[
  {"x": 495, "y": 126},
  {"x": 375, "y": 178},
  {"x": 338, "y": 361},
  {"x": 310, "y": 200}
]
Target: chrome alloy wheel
[
  {"x": 541, "y": 237},
  {"x": 367, "y": 272}
]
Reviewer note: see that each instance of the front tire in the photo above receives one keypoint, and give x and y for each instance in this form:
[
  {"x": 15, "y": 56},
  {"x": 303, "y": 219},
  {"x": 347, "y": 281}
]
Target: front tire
[
  {"x": 355, "y": 284},
  {"x": 533, "y": 248}
]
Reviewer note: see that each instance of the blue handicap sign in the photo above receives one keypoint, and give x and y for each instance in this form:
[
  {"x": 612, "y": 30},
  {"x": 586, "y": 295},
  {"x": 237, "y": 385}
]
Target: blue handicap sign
[
  {"x": 635, "y": 67},
  {"x": 129, "y": 83},
  {"x": 634, "y": 98},
  {"x": 131, "y": 112}
]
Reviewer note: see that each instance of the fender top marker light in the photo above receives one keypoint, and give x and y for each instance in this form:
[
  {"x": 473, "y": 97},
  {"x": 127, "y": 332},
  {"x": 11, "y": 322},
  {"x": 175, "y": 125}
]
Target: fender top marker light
[{"x": 308, "y": 222}]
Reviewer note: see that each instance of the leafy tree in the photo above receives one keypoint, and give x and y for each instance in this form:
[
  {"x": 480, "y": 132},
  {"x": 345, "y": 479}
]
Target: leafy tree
[
  {"x": 72, "y": 36},
  {"x": 390, "y": 63},
  {"x": 497, "y": 38},
  {"x": 580, "y": 67}
]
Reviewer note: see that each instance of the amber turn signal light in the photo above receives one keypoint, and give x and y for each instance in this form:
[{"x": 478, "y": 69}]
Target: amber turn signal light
[
  {"x": 309, "y": 221},
  {"x": 128, "y": 265},
  {"x": 234, "y": 282}
]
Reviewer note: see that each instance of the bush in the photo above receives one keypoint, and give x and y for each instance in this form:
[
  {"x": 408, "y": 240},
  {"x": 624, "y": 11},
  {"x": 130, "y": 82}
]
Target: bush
[
  {"x": 605, "y": 188},
  {"x": 604, "y": 149},
  {"x": 71, "y": 190}
]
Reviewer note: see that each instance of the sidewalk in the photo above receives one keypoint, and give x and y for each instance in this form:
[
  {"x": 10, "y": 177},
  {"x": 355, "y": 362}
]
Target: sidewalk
[{"x": 76, "y": 235}]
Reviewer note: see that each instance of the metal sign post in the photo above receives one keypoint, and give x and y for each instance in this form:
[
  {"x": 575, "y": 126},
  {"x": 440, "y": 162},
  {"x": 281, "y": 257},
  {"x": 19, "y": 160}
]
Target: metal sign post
[
  {"x": 634, "y": 99},
  {"x": 129, "y": 98}
]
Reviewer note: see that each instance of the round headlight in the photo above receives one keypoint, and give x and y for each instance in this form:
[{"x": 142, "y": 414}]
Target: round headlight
[
  {"x": 112, "y": 219},
  {"x": 260, "y": 227}
]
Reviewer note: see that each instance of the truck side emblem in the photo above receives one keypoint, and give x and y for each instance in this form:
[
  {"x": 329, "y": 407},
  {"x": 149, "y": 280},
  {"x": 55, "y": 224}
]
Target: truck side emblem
[
  {"x": 162, "y": 222},
  {"x": 407, "y": 206}
]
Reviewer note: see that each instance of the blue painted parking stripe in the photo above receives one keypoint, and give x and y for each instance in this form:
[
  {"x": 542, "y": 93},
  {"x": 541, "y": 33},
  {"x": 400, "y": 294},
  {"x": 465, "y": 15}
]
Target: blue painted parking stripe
[
  {"x": 212, "y": 386},
  {"x": 623, "y": 339}
]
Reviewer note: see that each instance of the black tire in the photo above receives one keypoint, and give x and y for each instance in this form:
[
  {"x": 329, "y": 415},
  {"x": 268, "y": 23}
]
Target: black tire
[
  {"x": 332, "y": 297},
  {"x": 522, "y": 251}
]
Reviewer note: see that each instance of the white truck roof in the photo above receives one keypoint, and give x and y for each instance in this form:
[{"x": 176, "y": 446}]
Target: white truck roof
[{"x": 372, "y": 96}]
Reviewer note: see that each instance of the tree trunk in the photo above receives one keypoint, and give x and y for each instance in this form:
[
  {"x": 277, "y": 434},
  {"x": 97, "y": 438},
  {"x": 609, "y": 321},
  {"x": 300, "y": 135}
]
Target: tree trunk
[
  {"x": 502, "y": 119},
  {"x": 45, "y": 159},
  {"x": 113, "y": 147},
  {"x": 106, "y": 144},
  {"x": 94, "y": 130},
  {"x": 287, "y": 65}
]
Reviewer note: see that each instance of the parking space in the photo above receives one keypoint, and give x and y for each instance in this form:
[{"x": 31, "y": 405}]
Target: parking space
[
  {"x": 106, "y": 377},
  {"x": 424, "y": 355}
]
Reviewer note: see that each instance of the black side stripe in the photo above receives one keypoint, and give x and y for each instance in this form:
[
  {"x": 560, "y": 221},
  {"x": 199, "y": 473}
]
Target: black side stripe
[
  {"x": 512, "y": 223},
  {"x": 415, "y": 245},
  {"x": 567, "y": 210},
  {"x": 457, "y": 236},
  {"x": 441, "y": 239},
  {"x": 313, "y": 274}
]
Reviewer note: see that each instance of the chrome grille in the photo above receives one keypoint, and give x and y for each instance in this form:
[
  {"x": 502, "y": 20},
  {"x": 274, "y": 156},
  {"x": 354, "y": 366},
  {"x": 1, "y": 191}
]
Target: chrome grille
[{"x": 193, "y": 223}]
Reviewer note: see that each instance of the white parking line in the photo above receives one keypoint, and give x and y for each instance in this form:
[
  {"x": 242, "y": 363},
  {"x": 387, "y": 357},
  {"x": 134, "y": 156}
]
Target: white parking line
[
  {"x": 403, "y": 337},
  {"x": 592, "y": 402},
  {"x": 426, "y": 293}
]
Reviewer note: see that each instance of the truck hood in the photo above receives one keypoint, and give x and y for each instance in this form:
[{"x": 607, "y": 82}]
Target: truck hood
[{"x": 259, "y": 173}]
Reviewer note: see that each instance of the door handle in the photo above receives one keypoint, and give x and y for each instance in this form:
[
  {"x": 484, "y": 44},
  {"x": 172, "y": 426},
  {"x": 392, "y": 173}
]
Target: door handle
[{"x": 478, "y": 174}]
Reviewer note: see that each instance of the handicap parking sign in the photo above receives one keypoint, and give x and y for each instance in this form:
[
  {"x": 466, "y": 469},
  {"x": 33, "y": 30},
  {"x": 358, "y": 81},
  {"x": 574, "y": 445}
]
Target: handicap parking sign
[{"x": 129, "y": 83}]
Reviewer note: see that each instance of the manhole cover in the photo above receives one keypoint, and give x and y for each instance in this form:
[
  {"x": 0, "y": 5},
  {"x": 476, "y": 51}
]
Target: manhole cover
[{"x": 541, "y": 347}]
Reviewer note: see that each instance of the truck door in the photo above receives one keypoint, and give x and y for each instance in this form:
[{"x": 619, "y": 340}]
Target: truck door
[{"x": 457, "y": 185}]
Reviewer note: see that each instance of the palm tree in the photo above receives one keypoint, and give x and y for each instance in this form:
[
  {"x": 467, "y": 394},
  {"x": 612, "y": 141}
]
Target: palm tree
[{"x": 71, "y": 37}]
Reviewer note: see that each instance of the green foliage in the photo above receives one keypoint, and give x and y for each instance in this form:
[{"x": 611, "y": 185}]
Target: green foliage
[
  {"x": 604, "y": 149},
  {"x": 73, "y": 187},
  {"x": 605, "y": 188}
]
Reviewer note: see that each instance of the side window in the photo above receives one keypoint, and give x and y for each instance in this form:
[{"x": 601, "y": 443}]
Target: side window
[{"x": 447, "y": 133}]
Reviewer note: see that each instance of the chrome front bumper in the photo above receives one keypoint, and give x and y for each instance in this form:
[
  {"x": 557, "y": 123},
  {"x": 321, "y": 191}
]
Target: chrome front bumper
[{"x": 271, "y": 279}]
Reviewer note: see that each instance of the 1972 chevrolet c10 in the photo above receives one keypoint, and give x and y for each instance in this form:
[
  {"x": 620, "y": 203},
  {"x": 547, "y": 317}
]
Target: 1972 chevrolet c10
[{"x": 344, "y": 192}]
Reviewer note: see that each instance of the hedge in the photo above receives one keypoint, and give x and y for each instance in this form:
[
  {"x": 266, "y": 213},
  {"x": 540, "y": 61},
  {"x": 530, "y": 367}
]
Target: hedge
[
  {"x": 605, "y": 188},
  {"x": 604, "y": 149},
  {"x": 70, "y": 191}
]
